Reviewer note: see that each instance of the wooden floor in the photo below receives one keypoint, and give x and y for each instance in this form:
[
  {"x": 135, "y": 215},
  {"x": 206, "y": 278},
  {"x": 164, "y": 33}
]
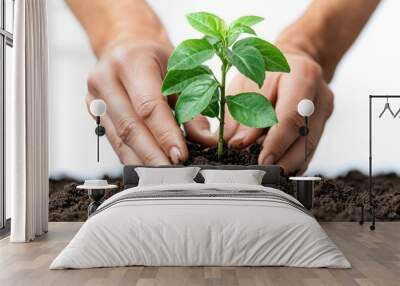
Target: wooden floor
[{"x": 375, "y": 257}]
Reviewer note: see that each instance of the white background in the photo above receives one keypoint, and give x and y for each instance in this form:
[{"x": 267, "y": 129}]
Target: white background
[{"x": 371, "y": 66}]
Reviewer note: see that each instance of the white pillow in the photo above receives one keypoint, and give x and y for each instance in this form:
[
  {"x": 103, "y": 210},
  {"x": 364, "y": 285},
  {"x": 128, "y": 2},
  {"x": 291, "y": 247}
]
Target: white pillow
[
  {"x": 163, "y": 176},
  {"x": 248, "y": 177}
]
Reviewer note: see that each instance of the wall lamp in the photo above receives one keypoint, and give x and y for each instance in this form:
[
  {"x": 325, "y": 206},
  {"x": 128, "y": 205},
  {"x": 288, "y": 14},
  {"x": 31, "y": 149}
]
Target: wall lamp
[
  {"x": 98, "y": 109},
  {"x": 305, "y": 108}
]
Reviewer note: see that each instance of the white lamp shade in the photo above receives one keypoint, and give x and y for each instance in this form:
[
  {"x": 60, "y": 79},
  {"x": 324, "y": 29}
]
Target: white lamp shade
[
  {"x": 98, "y": 107},
  {"x": 305, "y": 107}
]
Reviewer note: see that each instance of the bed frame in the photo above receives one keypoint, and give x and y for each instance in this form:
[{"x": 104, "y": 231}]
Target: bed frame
[{"x": 272, "y": 177}]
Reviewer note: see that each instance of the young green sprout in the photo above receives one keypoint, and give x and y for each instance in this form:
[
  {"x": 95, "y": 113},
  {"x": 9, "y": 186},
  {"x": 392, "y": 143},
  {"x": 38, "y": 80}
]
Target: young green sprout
[{"x": 202, "y": 93}]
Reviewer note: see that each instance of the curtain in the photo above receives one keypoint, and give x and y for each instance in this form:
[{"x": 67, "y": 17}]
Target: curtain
[{"x": 26, "y": 123}]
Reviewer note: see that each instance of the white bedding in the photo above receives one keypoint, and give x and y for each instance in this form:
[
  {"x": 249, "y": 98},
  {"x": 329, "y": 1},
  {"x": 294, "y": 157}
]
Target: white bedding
[{"x": 183, "y": 231}]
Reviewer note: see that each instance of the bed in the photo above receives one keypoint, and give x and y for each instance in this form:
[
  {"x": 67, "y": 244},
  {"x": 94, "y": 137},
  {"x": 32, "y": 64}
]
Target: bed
[{"x": 201, "y": 224}]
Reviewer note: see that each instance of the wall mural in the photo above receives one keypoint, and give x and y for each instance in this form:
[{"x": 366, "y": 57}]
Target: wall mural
[{"x": 242, "y": 101}]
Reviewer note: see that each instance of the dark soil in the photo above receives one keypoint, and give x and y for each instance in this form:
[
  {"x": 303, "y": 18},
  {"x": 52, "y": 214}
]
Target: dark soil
[
  {"x": 67, "y": 203},
  {"x": 208, "y": 156},
  {"x": 337, "y": 199}
]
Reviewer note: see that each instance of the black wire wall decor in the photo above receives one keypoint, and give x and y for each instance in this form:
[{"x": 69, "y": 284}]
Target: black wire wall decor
[{"x": 371, "y": 194}]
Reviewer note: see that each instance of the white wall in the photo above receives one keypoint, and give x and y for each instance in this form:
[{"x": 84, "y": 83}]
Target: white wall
[{"x": 369, "y": 67}]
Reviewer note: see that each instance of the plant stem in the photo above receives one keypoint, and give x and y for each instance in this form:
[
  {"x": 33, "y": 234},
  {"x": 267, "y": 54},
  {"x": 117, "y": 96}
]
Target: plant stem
[{"x": 220, "y": 151}]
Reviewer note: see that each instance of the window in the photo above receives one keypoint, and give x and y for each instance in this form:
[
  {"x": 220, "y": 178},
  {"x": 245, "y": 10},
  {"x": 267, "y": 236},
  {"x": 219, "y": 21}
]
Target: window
[{"x": 6, "y": 43}]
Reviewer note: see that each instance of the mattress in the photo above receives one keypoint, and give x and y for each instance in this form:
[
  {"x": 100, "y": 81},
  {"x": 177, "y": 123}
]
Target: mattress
[{"x": 201, "y": 225}]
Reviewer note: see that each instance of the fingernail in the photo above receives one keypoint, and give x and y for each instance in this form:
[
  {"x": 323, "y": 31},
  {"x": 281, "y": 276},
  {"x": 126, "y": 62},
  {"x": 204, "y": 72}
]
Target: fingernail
[
  {"x": 236, "y": 140},
  {"x": 269, "y": 160},
  {"x": 175, "y": 155}
]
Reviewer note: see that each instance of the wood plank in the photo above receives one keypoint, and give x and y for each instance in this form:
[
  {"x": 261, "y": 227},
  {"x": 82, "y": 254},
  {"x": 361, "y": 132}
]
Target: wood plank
[{"x": 375, "y": 257}]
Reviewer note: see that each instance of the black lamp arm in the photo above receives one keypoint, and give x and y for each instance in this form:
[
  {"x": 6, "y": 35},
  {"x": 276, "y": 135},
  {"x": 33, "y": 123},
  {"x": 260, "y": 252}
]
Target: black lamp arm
[
  {"x": 306, "y": 139},
  {"x": 100, "y": 131},
  {"x": 303, "y": 130}
]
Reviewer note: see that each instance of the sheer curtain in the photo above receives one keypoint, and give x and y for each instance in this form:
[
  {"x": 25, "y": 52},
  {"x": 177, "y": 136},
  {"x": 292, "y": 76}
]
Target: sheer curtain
[{"x": 26, "y": 123}]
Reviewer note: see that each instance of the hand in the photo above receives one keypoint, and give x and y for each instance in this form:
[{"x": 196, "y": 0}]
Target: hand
[
  {"x": 139, "y": 122},
  {"x": 283, "y": 144}
]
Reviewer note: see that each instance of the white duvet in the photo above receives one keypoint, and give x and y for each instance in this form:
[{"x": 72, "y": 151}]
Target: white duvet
[{"x": 200, "y": 231}]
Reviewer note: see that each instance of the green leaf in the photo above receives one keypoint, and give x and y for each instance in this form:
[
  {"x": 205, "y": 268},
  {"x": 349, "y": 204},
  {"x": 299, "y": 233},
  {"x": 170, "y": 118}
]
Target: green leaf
[
  {"x": 273, "y": 57},
  {"x": 246, "y": 21},
  {"x": 190, "y": 54},
  {"x": 217, "y": 44},
  {"x": 235, "y": 32},
  {"x": 212, "y": 110},
  {"x": 177, "y": 80},
  {"x": 208, "y": 24},
  {"x": 251, "y": 109},
  {"x": 249, "y": 61},
  {"x": 243, "y": 29},
  {"x": 211, "y": 40},
  {"x": 194, "y": 99}
]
